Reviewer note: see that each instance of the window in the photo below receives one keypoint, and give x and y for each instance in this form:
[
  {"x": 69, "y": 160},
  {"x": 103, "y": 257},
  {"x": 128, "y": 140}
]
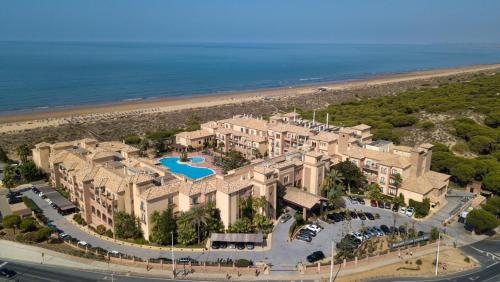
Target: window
[
  {"x": 286, "y": 179},
  {"x": 278, "y": 135},
  {"x": 142, "y": 206},
  {"x": 170, "y": 200},
  {"x": 194, "y": 200},
  {"x": 382, "y": 180},
  {"x": 383, "y": 169},
  {"x": 394, "y": 171}
]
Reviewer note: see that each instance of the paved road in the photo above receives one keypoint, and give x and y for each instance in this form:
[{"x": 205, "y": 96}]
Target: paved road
[
  {"x": 283, "y": 256},
  {"x": 487, "y": 252},
  {"x": 41, "y": 273}
]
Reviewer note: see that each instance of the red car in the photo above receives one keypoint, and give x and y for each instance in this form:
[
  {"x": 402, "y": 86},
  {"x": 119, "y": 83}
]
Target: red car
[{"x": 373, "y": 203}]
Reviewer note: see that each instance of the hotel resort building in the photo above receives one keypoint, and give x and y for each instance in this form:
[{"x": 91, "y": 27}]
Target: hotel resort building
[{"x": 290, "y": 158}]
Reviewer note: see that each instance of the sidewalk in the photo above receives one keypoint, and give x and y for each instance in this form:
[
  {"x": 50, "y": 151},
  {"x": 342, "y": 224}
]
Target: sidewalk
[{"x": 27, "y": 253}]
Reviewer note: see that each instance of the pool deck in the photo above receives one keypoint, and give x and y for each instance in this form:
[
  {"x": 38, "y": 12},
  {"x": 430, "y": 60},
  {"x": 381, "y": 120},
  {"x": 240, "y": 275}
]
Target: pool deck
[{"x": 208, "y": 163}]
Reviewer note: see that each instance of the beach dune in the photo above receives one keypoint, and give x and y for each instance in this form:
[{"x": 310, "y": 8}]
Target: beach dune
[{"x": 33, "y": 120}]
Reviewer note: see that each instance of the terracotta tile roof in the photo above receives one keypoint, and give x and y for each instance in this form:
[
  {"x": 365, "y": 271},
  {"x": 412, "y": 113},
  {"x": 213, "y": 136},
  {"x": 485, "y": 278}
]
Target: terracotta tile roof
[
  {"x": 202, "y": 133},
  {"x": 250, "y": 137},
  {"x": 325, "y": 136},
  {"x": 301, "y": 197},
  {"x": 252, "y": 123},
  {"x": 361, "y": 127},
  {"x": 284, "y": 127},
  {"x": 155, "y": 192}
]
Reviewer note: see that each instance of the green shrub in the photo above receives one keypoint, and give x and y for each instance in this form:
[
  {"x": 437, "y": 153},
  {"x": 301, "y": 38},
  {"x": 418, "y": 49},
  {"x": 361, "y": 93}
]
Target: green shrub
[
  {"x": 243, "y": 263},
  {"x": 427, "y": 125},
  {"x": 78, "y": 218},
  {"x": 27, "y": 225},
  {"x": 460, "y": 148},
  {"x": 421, "y": 208},
  {"x": 11, "y": 221},
  {"x": 109, "y": 233},
  {"x": 100, "y": 229},
  {"x": 42, "y": 234}
]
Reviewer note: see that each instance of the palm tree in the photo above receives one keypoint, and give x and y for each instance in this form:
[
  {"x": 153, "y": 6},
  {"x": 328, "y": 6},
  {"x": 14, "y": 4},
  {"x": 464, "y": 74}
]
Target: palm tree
[
  {"x": 259, "y": 203},
  {"x": 332, "y": 180},
  {"x": 198, "y": 217}
]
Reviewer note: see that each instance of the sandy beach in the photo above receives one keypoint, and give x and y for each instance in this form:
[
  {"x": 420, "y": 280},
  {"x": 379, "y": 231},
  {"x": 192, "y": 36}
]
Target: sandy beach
[{"x": 89, "y": 114}]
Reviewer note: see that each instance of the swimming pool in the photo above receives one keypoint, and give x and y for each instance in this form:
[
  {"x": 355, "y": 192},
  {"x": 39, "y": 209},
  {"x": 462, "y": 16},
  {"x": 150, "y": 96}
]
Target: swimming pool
[{"x": 173, "y": 164}]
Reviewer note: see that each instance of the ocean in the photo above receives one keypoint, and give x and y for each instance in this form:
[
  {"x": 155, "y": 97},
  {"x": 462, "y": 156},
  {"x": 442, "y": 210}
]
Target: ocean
[{"x": 40, "y": 76}]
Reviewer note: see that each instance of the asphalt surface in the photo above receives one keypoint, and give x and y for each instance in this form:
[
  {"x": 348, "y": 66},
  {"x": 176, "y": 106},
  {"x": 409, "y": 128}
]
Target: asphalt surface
[
  {"x": 39, "y": 273},
  {"x": 283, "y": 256}
]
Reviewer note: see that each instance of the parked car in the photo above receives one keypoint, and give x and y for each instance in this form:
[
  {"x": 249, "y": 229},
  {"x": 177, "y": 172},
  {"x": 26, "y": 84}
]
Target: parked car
[
  {"x": 54, "y": 206},
  {"x": 186, "y": 260},
  {"x": 304, "y": 238},
  {"x": 313, "y": 227},
  {"x": 367, "y": 235},
  {"x": 362, "y": 216},
  {"x": 82, "y": 243},
  {"x": 420, "y": 233},
  {"x": 353, "y": 200},
  {"x": 402, "y": 229},
  {"x": 333, "y": 216},
  {"x": 7, "y": 273},
  {"x": 358, "y": 235},
  {"x": 369, "y": 216},
  {"x": 286, "y": 217},
  {"x": 240, "y": 246},
  {"x": 215, "y": 245},
  {"x": 373, "y": 203},
  {"x": 360, "y": 200},
  {"x": 379, "y": 231},
  {"x": 410, "y": 211},
  {"x": 343, "y": 215},
  {"x": 223, "y": 245},
  {"x": 395, "y": 208},
  {"x": 385, "y": 229},
  {"x": 114, "y": 253},
  {"x": 14, "y": 200},
  {"x": 307, "y": 232},
  {"x": 381, "y": 204},
  {"x": 387, "y": 205},
  {"x": 232, "y": 245},
  {"x": 353, "y": 215},
  {"x": 316, "y": 256},
  {"x": 250, "y": 246},
  {"x": 402, "y": 210}
]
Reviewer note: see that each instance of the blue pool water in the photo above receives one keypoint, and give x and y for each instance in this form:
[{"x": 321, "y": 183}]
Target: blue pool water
[{"x": 172, "y": 163}]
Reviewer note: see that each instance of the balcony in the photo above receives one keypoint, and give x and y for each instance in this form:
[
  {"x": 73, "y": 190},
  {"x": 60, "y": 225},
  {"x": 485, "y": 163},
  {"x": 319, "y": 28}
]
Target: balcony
[{"x": 371, "y": 167}]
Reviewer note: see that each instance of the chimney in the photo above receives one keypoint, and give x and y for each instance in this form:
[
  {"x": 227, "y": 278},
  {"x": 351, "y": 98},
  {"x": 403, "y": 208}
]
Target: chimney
[
  {"x": 327, "y": 120},
  {"x": 314, "y": 117}
]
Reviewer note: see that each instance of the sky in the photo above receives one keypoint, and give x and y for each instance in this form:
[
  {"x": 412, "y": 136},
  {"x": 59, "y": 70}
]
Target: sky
[{"x": 322, "y": 21}]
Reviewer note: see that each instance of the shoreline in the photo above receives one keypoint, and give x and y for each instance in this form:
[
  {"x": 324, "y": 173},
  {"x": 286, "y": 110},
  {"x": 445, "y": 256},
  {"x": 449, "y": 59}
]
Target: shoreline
[{"x": 88, "y": 113}]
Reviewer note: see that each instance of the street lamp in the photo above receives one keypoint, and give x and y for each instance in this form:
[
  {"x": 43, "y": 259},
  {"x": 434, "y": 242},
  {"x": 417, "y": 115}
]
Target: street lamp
[{"x": 172, "y": 249}]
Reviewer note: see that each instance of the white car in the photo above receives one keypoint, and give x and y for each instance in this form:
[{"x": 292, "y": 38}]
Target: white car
[
  {"x": 113, "y": 252},
  {"x": 40, "y": 194},
  {"x": 358, "y": 236},
  {"x": 82, "y": 243},
  {"x": 410, "y": 211},
  {"x": 402, "y": 210},
  {"x": 314, "y": 227}
]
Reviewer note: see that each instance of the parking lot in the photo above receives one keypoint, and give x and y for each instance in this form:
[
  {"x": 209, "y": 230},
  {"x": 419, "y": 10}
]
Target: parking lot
[{"x": 283, "y": 256}]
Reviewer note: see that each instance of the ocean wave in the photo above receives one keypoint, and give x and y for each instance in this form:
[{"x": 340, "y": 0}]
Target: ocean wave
[
  {"x": 132, "y": 99},
  {"x": 310, "y": 78}
]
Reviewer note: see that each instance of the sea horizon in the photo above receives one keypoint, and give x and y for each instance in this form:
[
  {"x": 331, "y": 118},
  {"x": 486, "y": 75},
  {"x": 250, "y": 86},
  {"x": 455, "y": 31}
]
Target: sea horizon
[{"x": 52, "y": 75}]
